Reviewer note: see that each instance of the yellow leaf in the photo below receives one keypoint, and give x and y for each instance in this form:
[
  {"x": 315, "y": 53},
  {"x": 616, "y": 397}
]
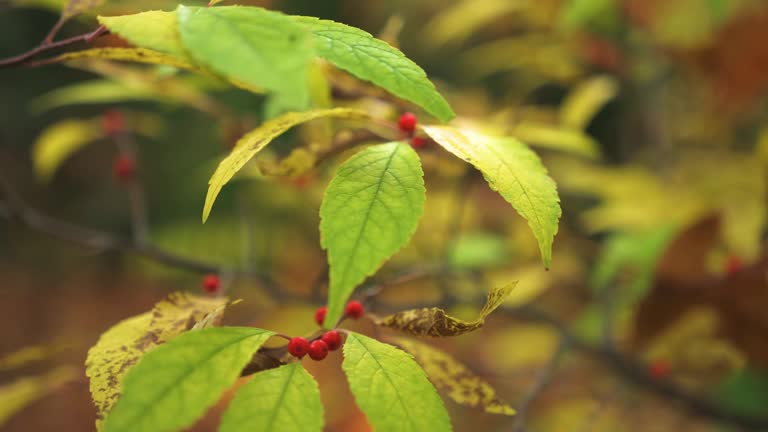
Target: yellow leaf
[
  {"x": 28, "y": 355},
  {"x": 17, "y": 395},
  {"x": 581, "y": 414},
  {"x": 155, "y": 30},
  {"x": 456, "y": 380},
  {"x": 251, "y": 143},
  {"x": 585, "y": 100},
  {"x": 454, "y": 24},
  {"x": 519, "y": 347},
  {"x": 556, "y": 138},
  {"x": 515, "y": 172},
  {"x": 138, "y": 55},
  {"x": 120, "y": 347},
  {"x": 436, "y": 322},
  {"x": 59, "y": 141}
]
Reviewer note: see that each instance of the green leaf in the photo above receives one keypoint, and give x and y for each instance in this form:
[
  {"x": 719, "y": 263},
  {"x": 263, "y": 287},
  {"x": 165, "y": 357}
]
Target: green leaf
[
  {"x": 99, "y": 91},
  {"x": 374, "y": 60},
  {"x": 513, "y": 170},
  {"x": 254, "y": 141},
  {"x": 154, "y": 30},
  {"x": 282, "y": 399},
  {"x": 391, "y": 388},
  {"x": 370, "y": 210},
  {"x": 260, "y": 47},
  {"x": 173, "y": 385}
]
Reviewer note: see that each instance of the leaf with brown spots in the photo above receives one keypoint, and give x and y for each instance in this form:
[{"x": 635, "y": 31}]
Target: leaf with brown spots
[
  {"x": 436, "y": 322},
  {"x": 459, "y": 383},
  {"x": 120, "y": 347}
]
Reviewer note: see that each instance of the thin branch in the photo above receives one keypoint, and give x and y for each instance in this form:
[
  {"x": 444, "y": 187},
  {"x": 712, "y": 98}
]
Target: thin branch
[
  {"x": 126, "y": 145},
  {"x": 635, "y": 372},
  {"x": 47, "y": 46},
  {"x": 543, "y": 378}
]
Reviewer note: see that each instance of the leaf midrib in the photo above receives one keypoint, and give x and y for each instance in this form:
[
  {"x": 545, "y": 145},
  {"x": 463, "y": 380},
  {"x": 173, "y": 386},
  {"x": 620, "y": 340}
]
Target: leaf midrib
[
  {"x": 374, "y": 199},
  {"x": 389, "y": 379},
  {"x": 273, "y": 415}
]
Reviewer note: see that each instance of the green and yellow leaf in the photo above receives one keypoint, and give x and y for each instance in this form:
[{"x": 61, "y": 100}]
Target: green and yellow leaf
[
  {"x": 263, "y": 48},
  {"x": 455, "y": 379},
  {"x": 100, "y": 91},
  {"x": 513, "y": 170},
  {"x": 374, "y": 60},
  {"x": 120, "y": 347},
  {"x": 370, "y": 211},
  {"x": 253, "y": 142},
  {"x": 153, "y": 30},
  {"x": 436, "y": 322},
  {"x": 281, "y": 399},
  {"x": 391, "y": 388},
  {"x": 173, "y": 385}
]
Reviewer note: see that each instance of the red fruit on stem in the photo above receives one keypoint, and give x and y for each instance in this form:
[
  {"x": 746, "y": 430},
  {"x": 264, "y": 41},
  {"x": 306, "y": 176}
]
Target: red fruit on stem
[
  {"x": 318, "y": 350},
  {"x": 112, "y": 122},
  {"x": 320, "y": 315},
  {"x": 418, "y": 142},
  {"x": 211, "y": 283},
  {"x": 332, "y": 339},
  {"x": 407, "y": 122},
  {"x": 354, "y": 309},
  {"x": 659, "y": 369},
  {"x": 124, "y": 168},
  {"x": 298, "y": 347},
  {"x": 733, "y": 265}
]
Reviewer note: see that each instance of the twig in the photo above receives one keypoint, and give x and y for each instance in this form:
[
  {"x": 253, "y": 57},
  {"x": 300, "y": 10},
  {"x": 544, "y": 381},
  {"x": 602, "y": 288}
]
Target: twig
[
  {"x": 46, "y": 46},
  {"x": 126, "y": 144}
]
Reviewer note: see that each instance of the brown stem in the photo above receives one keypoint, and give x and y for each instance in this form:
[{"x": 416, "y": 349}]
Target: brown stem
[{"x": 47, "y": 46}]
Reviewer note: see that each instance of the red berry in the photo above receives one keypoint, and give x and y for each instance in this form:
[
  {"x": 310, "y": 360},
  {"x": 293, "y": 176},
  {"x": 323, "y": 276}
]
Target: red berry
[
  {"x": 112, "y": 122},
  {"x": 354, "y": 309},
  {"x": 407, "y": 122},
  {"x": 659, "y": 369},
  {"x": 211, "y": 283},
  {"x": 124, "y": 168},
  {"x": 733, "y": 265},
  {"x": 318, "y": 350},
  {"x": 332, "y": 339},
  {"x": 320, "y": 315},
  {"x": 298, "y": 347},
  {"x": 418, "y": 142}
]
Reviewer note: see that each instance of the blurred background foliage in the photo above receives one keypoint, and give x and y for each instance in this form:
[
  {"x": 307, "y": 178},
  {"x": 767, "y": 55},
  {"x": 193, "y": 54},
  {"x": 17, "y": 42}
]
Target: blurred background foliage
[{"x": 649, "y": 114}]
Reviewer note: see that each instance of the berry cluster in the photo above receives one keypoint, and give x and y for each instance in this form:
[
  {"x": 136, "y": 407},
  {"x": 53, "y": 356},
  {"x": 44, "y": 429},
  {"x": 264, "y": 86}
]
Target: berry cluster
[
  {"x": 329, "y": 341},
  {"x": 407, "y": 124}
]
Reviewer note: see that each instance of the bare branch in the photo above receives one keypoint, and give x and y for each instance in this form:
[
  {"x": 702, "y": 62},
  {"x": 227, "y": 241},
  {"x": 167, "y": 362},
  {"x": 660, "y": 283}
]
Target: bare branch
[{"x": 47, "y": 46}]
